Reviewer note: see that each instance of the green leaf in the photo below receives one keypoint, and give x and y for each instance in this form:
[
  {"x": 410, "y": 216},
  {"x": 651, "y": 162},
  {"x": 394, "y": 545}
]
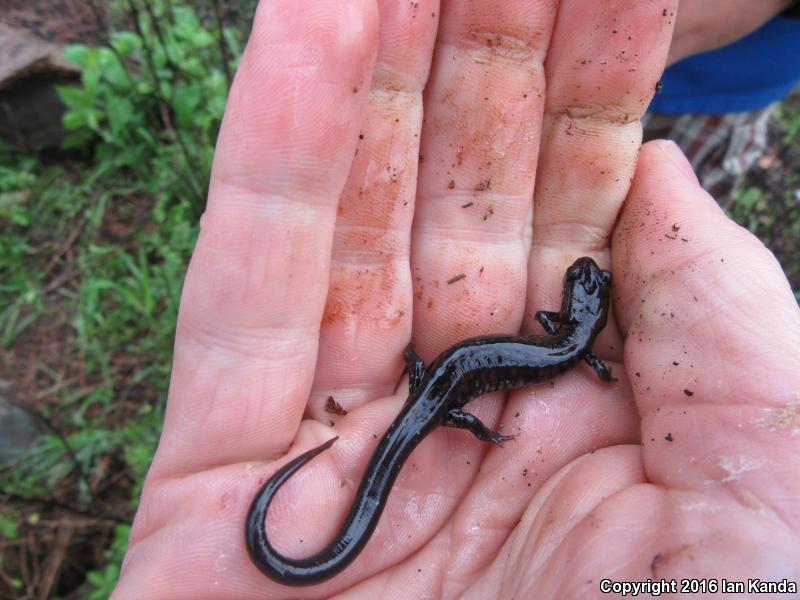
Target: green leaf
[
  {"x": 186, "y": 18},
  {"x": 121, "y": 113},
  {"x": 187, "y": 98},
  {"x": 113, "y": 72},
  {"x": 74, "y": 120},
  {"x": 96, "y": 578},
  {"x": 78, "y": 140},
  {"x": 91, "y": 81},
  {"x": 202, "y": 39},
  {"x": 93, "y": 119},
  {"x": 75, "y": 98},
  {"x": 8, "y": 527},
  {"x": 77, "y": 54},
  {"x": 143, "y": 88},
  {"x": 126, "y": 42}
]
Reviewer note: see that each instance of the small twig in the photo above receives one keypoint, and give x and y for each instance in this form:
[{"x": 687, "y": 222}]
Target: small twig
[
  {"x": 46, "y": 527},
  {"x": 60, "y": 384},
  {"x": 105, "y": 27},
  {"x": 57, "y": 282},
  {"x": 68, "y": 243},
  {"x": 170, "y": 13},
  {"x": 177, "y": 71},
  {"x": 223, "y": 44},
  {"x": 147, "y": 51},
  {"x": 30, "y": 571},
  {"x": 99, "y": 20},
  {"x": 162, "y": 103},
  {"x": 5, "y": 578},
  {"x": 193, "y": 168},
  {"x": 38, "y": 416},
  {"x": 148, "y": 7},
  {"x": 53, "y": 503},
  {"x": 52, "y": 566}
]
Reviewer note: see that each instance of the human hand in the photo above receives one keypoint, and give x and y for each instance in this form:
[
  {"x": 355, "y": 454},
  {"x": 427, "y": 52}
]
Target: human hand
[
  {"x": 259, "y": 348},
  {"x": 705, "y": 25}
]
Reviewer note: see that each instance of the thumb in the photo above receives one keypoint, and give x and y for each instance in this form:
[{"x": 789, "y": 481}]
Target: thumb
[{"x": 712, "y": 340}]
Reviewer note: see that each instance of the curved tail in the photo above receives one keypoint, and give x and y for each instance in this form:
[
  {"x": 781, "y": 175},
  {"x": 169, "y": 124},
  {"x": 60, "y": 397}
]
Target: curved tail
[{"x": 361, "y": 522}]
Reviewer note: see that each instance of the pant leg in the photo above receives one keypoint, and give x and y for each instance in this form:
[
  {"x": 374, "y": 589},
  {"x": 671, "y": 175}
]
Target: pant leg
[{"x": 721, "y": 148}]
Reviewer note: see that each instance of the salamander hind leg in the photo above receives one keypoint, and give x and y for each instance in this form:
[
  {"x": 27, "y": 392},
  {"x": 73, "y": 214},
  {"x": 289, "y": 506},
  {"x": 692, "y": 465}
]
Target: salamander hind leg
[
  {"x": 603, "y": 372},
  {"x": 464, "y": 420},
  {"x": 415, "y": 366}
]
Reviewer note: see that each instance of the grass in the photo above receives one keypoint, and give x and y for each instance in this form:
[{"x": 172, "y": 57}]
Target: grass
[{"x": 94, "y": 245}]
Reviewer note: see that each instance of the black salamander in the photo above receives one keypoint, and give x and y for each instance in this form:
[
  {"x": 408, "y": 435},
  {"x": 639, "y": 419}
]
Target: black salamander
[{"x": 436, "y": 397}]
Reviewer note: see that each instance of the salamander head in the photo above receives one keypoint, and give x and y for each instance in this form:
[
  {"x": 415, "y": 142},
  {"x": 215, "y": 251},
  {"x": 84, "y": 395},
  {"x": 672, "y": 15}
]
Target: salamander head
[{"x": 587, "y": 290}]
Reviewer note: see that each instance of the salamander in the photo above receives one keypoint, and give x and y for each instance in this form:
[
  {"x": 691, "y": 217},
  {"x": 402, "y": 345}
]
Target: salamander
[{"x": 437, "y": 394}]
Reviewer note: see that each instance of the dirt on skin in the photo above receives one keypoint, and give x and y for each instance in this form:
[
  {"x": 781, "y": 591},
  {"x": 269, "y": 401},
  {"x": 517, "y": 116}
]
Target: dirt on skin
[{"x": 57, "y": 548}]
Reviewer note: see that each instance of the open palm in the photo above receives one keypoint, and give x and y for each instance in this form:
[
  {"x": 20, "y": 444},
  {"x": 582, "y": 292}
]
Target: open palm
[{"x": 309, "y": 279}]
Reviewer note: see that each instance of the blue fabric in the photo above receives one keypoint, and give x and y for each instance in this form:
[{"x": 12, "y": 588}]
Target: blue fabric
[{"x": 747, "y": 75}]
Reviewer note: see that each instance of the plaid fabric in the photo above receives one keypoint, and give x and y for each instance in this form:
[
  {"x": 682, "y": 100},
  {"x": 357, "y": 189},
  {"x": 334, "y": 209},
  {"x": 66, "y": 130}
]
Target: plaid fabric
[{"x": 721, "y": 148}]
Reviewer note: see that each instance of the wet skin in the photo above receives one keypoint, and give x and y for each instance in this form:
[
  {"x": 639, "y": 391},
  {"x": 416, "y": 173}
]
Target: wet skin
[{"x": 436, "y": 396}]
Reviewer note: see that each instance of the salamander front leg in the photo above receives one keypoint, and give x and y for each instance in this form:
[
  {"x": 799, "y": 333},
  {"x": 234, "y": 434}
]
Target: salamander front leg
[
  {"x": 415, "y": 366},
  {"x": 464, "y": 420},
  {"x": 603, "y": 372},
  {"x": 549, "y": 320}
]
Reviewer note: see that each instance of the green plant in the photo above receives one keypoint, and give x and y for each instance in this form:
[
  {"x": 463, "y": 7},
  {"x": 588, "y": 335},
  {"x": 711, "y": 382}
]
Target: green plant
[
  {"x": 103, "y": 581},
  {"x": 92, "y": 254},
  {"x": 20, "y": 302},
  {"x": 92, "y": 257},
  {"x": 790, "y": 120},
  {"x": 769, "y": 202},
  {"x": 154, "y": 97}
]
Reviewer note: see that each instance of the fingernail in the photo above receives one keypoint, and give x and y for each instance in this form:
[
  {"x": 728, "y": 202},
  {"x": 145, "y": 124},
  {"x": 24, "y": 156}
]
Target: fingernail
[{"x": 677, "y": 158}]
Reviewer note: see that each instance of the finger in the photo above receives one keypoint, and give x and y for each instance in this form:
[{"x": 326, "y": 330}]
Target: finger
[
  {"x": 712, "y": 342},
  {"x": 187, "y": 541},
  {"x": 598, "y": 519},
  {"x": 535, "y": 554},
  {"x": 602, "y": 69},
  {"x": 201, "y": 547},
  {"x": 595, "y": 96},
  {"x": 367, "y": 320},
  {"x": 479, "y": 151},
  {"x": 249, "y": 323},
  {"x": 554, "y": 425}
]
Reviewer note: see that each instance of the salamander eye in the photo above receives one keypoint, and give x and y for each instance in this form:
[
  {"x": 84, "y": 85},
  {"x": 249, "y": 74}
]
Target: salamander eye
[
  {"x": 574, "y": 273},
  {"x": 605, "y": 277}
]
